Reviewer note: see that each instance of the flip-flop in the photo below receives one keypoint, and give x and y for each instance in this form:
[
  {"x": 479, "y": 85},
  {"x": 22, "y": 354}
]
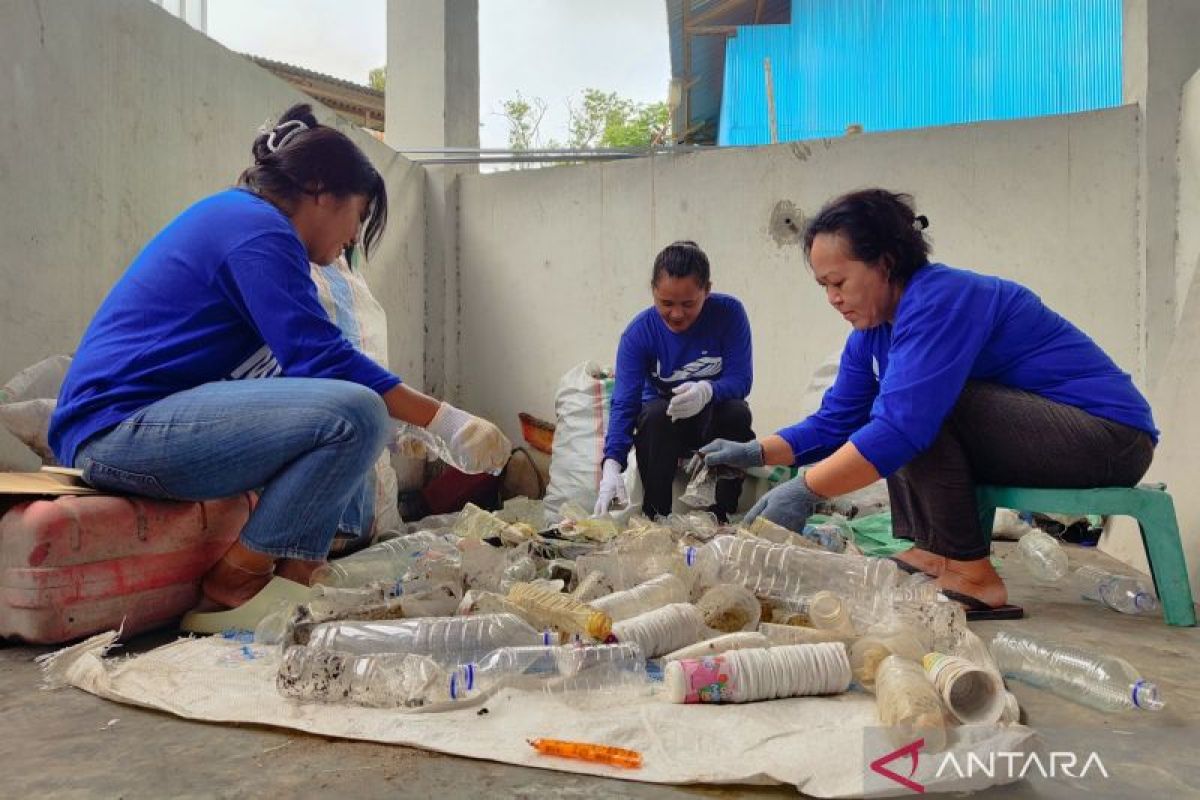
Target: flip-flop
[
  {"x": 909, "y": 568},
  {"x": 277, "y": 592},
  {"x": 977, "y": 609}
]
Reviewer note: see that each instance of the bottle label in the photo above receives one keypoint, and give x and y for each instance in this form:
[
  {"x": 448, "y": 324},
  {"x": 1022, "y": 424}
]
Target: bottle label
[{"x": 706, "y": 680}]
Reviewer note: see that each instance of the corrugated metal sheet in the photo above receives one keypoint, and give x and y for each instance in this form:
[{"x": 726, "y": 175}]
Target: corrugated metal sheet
[{"x": 890, "y": 64}]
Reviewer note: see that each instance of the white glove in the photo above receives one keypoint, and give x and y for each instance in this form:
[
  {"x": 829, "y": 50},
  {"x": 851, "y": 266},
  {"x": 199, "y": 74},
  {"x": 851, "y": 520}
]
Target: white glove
[
  {"x": 690, "y": 399},
  {"x": 612, "y": 487},
  {"x": 475, "y": 444}
]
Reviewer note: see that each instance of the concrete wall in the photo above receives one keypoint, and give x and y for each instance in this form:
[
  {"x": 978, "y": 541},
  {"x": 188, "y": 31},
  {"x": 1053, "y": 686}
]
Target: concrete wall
[
  {"x": 117, "y": 116},
  {"x": 554, "y": 262}
]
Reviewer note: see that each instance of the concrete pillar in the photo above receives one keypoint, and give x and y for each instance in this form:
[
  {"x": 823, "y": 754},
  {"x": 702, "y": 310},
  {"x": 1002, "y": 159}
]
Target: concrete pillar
[
  {"x": 432, "y": 100},
  {"x": 1159, "y": 56}
]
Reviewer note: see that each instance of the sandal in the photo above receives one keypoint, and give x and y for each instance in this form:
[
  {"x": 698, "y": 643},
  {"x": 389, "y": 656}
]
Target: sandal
[
  {"x": 977, "y": 609},
  {"x": 246, "y": 617}
]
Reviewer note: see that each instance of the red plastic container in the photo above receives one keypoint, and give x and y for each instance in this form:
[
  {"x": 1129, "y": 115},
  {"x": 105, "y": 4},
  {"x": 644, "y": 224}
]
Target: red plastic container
[{"x": 74, "y": 566}]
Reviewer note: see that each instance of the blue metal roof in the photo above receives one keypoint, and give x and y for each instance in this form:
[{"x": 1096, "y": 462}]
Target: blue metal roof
[{"x": 886, "y": 64}]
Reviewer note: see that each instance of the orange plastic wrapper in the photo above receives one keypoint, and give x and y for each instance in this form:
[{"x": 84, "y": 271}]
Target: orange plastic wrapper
[{"x": 596, "y": 753}]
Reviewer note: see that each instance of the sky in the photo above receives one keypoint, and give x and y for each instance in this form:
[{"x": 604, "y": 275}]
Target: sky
[{"x": 552, "y": 49}]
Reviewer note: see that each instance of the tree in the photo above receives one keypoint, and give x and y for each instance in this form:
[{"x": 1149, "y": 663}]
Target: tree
[
  {"x": 377, "y": 78},
  {"x": 601, "y": 119},
  {"x": 524, "y": 122}
]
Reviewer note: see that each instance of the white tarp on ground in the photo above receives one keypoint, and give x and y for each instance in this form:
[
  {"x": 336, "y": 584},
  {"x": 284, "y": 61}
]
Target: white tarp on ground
[{"x": 814, "y": 743}]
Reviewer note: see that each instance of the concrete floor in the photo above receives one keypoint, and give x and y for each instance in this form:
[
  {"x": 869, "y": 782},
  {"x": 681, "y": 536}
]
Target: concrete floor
[{"x": 59, "y": 744}]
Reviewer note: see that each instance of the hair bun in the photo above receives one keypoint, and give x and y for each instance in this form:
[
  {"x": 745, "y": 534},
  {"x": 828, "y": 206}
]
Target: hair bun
[{"x": 921, "y": 222}]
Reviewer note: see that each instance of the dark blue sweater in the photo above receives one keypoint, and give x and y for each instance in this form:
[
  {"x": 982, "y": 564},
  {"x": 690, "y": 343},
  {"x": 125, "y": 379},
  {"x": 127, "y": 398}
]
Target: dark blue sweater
[
  {"x": 652, "y": 360},
  {"x": 223, "y": 292},
  {"x": 898, "y": 381}
]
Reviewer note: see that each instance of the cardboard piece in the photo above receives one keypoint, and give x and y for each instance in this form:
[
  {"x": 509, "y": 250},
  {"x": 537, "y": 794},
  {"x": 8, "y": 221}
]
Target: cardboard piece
[{"x": 44, "y": 484}]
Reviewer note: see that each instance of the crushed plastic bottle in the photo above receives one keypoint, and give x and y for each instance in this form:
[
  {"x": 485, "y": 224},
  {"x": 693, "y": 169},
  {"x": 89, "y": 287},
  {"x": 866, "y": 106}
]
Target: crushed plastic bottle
[
  {"x": 1123, "y": 593},
  {"x": 831, "y": 535},
  {"x": 385, "y": 562},
  {"x": 379, "y": 681},
  {"x": 741, "y": 676},
  {"x": 445, "y": 639},
  {"x": 1104, "y": 682},
  {"x": 588, "y": 668},
  {"x": 1043, "y": 556},
  {"x": 895, "y": 638},
  {"x": 730, "y": 608}
]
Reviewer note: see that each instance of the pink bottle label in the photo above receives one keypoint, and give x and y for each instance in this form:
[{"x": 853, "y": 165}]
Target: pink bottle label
[{"x": 706, "y": 680}]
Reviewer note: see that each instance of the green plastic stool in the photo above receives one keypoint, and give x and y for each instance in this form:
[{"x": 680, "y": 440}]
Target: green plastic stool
[{"x": 1149, "y": 504}]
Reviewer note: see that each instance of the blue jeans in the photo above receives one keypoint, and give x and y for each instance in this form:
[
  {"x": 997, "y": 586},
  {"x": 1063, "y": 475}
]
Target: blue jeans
[{"x": 308, "y": 443}]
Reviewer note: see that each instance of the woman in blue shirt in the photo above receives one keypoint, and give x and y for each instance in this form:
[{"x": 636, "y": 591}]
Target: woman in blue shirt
[
  {"x": 684, "y": 368},
  {"x": 949, "y": 379},
  {"x": 157, "y": 400}
]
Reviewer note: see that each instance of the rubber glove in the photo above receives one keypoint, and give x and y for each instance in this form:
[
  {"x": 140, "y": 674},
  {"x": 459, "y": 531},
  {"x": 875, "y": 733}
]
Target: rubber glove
[
  {"x": 475, "y": 444},
  {"x": 789, "y": 504},
  {"x": 742, "y": 455},
  {"x": 689, "y": 400},
  {"x": 612, "y": 487}
]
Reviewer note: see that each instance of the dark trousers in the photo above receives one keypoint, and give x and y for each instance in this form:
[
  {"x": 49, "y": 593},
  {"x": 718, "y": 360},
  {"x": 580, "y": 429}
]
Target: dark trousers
[
  {"x": 660, "y": 443},
  {"x": 998, "y": 435}
]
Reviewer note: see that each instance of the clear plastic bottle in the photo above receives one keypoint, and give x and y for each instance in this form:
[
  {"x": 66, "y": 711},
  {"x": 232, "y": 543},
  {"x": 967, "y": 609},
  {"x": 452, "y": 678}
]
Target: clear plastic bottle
[
  {"x": 380, "y": 681},
  {"x": 895, "y": 638},
  {"x": 1123, "y": 593},
  {"x": 654, "y": 593},
  {"x": 383, "y": 562},
  {"x": 741, "y": 676},
  {"x": 909, "y": 706},
  {"x": 831, "y": 535},
  {"x": 829, "y": 613},
  {"x": 1043, "y": 556},
  {"x": 445, "y": 639},
  {"x": 560, "y": 611},
  {"x": 589, "y": 668},
  {"x": 729, "y": 608},
  {"x": 788, "y": 572},
  {"x": 1104, "y": 682}
]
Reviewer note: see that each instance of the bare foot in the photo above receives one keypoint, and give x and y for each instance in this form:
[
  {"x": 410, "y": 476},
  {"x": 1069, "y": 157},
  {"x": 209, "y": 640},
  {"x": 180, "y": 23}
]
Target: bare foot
[
  {"x": 977, "y": 579},
  {"x": 239, "y": 575},
  {"x": 923, "y": 560},
  {"x": 296, "y": 570}
]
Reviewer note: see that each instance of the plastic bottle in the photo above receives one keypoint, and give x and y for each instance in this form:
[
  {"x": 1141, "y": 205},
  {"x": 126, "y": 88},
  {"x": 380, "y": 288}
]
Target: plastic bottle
[
  {"x": 896, "y": 638},
  {"x": 588, "y": 668},
  {"x": 740, "y": 676},
  {"x": 445, "y": 639},
  {"x": 974, "y": 695},
  {"x": 730, "y": 608},
  {"x": 742, "y": 640},
  {"x": 787, "y": 572},
  {"x": 381, "y": 681},
  {"x": 828, "y": 613},
  {"x": 560, "y": 611},
  {"x": 665, "y": 629},
  {"x": 657, "y": 592},
  {"x": 800, "y": 634},
  {"x": 830, "y": 535},
  {"x": 383, "y": 562},
  {"x": 1123, "y": 593},
  {"x": 908, "y": 704},
  {"x": 1104, "y": 682},
  {"x": 1043, "y": 556}
]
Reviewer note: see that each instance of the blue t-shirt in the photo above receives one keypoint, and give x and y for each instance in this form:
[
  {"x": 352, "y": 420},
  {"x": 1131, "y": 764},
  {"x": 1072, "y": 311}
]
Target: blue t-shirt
[
  {"x": 223, "y": 292},
  {"x": 652, "y": 360},
  {"x": 898, "y": 381}
]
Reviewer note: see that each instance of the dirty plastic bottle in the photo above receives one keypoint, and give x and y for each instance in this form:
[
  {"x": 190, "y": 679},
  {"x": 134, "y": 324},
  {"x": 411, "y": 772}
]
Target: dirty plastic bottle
[
  {"x": 381, "y": 681},
  {"x": 654, "y": 593},
  {"x": 909, "y": 706},
  {"x": 1043, "y": 556},
  {"x": 1123, "y": 593},
  {"x": 1104, "y": 682},
  {"x": 560, "y": 611},
  {"x": 588, "y": 668},
  {"x": 828, "y": 613},
  {"x": 383, "y": 562},
  {"x": 445, "y": 639},
  {"x": 742, "y": 676},
  {"x": 729, "y": 608},
  {"x": 787, "y": 572}
]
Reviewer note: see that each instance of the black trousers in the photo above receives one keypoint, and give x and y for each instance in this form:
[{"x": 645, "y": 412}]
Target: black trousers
[
  {"x": 998, "y": 435},
  {"x": 660, "y": 443}
]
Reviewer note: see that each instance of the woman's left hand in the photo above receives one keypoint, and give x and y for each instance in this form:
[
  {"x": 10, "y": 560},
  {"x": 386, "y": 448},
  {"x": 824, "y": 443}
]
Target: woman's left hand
[{"x": 789, "y": 504}]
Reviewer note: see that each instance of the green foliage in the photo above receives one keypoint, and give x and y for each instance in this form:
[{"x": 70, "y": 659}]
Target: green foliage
[
  {"x": 601, "y": 119},
  {"x": 377, "y": 78}
]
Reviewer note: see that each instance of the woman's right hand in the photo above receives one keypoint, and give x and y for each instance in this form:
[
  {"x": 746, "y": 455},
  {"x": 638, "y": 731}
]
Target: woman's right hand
[
  {"x": 612, "y": 487},
  {"x": 743, "y": 455},
  {"x": 476, "y": 445}
]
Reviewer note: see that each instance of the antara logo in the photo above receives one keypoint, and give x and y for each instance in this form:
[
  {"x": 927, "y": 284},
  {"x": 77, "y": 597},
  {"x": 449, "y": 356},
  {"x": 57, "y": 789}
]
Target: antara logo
[{"x": 1003, "y": 763}]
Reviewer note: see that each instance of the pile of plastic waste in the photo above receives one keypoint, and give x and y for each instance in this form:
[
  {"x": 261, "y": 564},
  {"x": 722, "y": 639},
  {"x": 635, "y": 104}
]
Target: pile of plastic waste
[{"x": 681, "y": 609}]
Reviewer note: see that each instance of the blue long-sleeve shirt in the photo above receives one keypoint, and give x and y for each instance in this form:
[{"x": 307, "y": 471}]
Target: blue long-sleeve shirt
[
  {"x": 652, "y": 360},
  {"x": 223, "y": 292},
  {"x": 898, "y": 381}
]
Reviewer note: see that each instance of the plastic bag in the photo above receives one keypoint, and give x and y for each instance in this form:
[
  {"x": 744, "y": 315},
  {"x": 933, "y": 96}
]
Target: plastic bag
[
  {"x": 581, "y": 408},
  {"x": 28, "y": 400}
]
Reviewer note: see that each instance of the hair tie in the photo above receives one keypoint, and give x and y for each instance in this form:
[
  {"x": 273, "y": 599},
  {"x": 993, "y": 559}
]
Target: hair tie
[
  {"x": 921, "y": 222},
  {"x": 292, "y": 127}
]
